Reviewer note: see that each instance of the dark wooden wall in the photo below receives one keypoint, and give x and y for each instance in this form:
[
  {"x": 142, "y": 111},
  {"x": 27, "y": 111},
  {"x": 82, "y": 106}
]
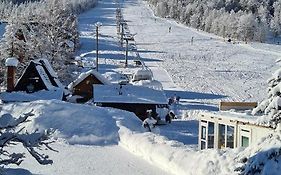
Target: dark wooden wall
[
  {"x": 85, "y": 88},
  {"x": 138, "y": 109}
]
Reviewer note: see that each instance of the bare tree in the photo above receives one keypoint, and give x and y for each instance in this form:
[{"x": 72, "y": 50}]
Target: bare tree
[{"x": 12, "y": 133}]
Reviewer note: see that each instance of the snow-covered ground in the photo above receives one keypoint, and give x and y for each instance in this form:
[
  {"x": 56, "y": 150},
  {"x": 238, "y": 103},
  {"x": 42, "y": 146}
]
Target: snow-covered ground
[
  {"x": 94, "y": 140},
  {"x": 202, "y": 72},
  {"x": 87, "y": 139},
  {"x": 206, "y": 70}
]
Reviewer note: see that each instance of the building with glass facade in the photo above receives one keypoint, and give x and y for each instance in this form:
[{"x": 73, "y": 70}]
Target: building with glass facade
[{"x": 229, "y": 129}]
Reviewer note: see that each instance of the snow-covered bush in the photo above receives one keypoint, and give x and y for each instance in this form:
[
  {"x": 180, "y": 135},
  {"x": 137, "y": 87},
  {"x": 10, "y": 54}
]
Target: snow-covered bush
[
  {"x": 262, "y": 158},
  {"x": 12, "y": 133}
]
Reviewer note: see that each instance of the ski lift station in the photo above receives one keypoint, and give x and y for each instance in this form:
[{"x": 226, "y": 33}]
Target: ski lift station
[{"x": 229, "y": 129}]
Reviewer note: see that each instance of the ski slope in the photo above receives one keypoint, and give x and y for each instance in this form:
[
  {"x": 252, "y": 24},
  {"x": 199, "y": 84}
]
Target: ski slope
[
  {"x": 208, "y": 65},
  {"x": 201, "y": 68}
]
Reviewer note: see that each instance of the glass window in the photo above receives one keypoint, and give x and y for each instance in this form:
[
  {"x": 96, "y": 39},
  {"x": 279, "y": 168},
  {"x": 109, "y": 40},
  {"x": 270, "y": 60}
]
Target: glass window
[
  {"x": 203, "y": 145},
  {"x": 211, "y": 129},
  {"x": 221, "y": 139},
  {"x": 203, "y": 132},
  {"x": 245, "y": 141},
  {"x": 230, "y": 137}
]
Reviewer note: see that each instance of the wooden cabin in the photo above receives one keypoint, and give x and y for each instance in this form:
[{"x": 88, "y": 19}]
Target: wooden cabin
[
  {"x": 136, "y": 99},
  {"x": 229, "y": 129},
  {"x": 38, "y": 82},
  {"x": 38, "y": 75},
  {"x": 83, "y": 85}
]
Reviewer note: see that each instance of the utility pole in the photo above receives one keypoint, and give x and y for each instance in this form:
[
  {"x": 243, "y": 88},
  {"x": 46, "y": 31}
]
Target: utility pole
[
  {"x": 98, "y": 24},
  {"x": 126, "y": 55},
  {"x": 122, "y": 23},
  {"x": 118, "y": 19},
  {"x": 127, "y": 38}
]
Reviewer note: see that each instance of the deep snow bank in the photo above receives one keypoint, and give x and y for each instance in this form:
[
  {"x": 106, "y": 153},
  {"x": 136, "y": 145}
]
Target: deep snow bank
[
  {"x": 78, "y": 124},
  {"x": 176, "y": 158},
  {"x": 83, "y": 124}
]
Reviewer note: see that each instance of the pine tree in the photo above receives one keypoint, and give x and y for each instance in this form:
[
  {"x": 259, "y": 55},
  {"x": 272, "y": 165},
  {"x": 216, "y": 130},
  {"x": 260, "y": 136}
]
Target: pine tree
[
  {"x": 271, "y": 105},
  {"x": 275, "y": 22},
  {"x": 246, "y": 26},
  {"x": 162, "y": 9}
]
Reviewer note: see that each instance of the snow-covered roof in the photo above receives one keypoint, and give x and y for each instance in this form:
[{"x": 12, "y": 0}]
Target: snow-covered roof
[
  {"x": 128, "y": 94},
  {"x": 48, "y": 66},
  {"x": 44, "y": 77},
  {"x": 142, "y": 74},
  {"x": 27, "y": 97},
  {"x": 11, "y": 62},
  {"x": 84, "y": 75},
  {"x": 154, "y": 84},
  {"x": 41, "y": 66},
  {"x": 244, "y": 117}
]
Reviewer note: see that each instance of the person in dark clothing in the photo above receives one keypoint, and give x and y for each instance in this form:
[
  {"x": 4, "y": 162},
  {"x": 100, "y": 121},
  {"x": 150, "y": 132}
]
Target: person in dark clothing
[{"x": 168, "y": 118}]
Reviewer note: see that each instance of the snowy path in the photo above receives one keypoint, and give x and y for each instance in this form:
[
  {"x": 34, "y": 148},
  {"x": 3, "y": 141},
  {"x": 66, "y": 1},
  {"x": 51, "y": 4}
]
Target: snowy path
[
  {"x": 100, "y": 160},
  {"x": 86, "y": 160}
]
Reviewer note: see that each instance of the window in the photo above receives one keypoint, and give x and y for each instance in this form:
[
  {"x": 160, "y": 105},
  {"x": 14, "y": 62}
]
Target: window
[
  {"x": 203, "y": 135},
  {"x": 221, "y": 139},
  {"x": 203, "y": 145},
  {"x": 203, "y": 132},
  {"x": 30, "y": 88},
  {"x": 245, "y": 138},
  {"x": 211, "y": 130},
  {"x": 230, "y": 137},
  {"x": 245, "y": 141}
]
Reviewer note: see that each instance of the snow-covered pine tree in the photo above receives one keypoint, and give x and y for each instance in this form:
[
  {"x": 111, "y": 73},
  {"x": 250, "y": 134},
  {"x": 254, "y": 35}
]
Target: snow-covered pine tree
[
  {"x": 270, "y": 107},
  {"x": 250, "y": 18},
  {"x": 246, "y": 26},
  {"x": 49, "y": 29},
  {"x": 162, "y": 9},
  {"x": 265, "y": 158},
  {"x": 11, "y": 133},
  {"x": 275, "y": 22},
  {"x": 13, "y": 45}
]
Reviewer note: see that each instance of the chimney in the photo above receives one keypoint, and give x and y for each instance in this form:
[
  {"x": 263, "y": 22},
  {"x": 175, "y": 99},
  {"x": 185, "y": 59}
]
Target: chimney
[{"x": 11, "y": 64}]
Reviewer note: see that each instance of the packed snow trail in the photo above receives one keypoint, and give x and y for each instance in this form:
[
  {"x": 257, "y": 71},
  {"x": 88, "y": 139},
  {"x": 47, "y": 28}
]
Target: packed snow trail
[{"x": 87, "y": 160}]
